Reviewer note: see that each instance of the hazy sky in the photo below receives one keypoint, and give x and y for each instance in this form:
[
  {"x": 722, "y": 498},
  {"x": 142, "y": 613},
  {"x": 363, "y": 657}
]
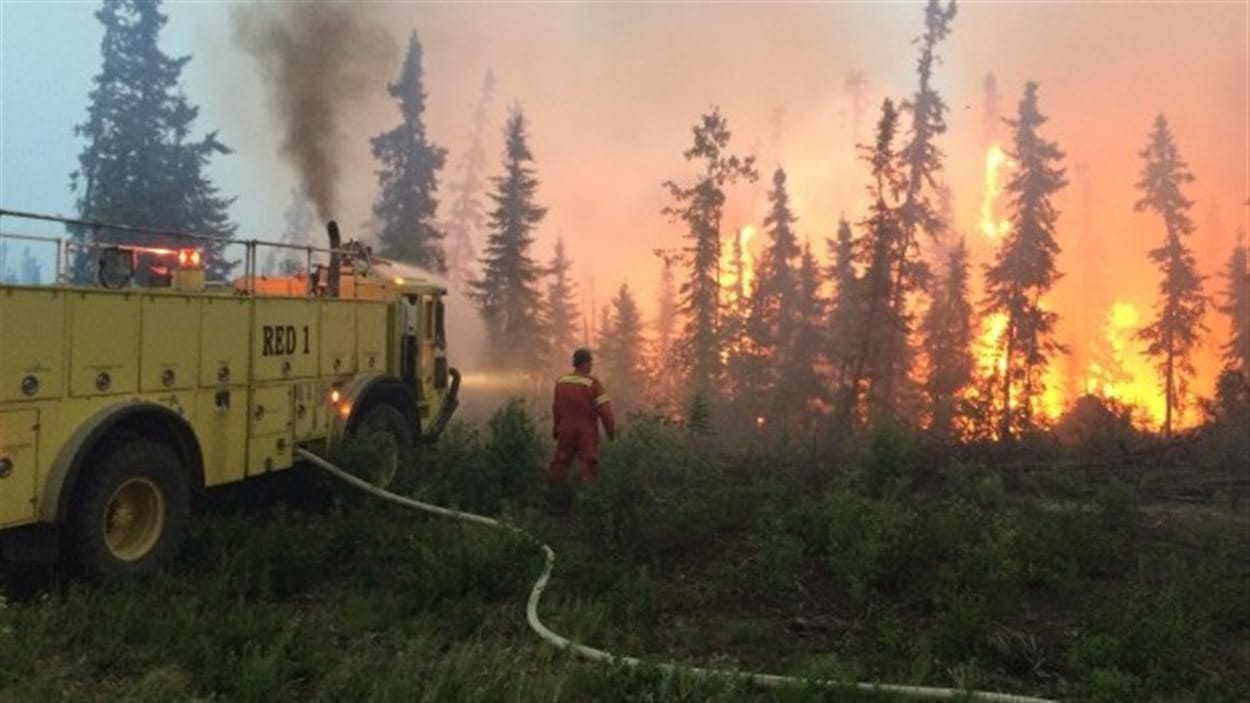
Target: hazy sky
[{"x": 612, "y": 91}]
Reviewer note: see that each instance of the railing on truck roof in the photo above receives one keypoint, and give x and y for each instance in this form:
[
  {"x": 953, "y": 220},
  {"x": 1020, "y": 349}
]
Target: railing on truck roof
[{"x": 75, "y": 265}]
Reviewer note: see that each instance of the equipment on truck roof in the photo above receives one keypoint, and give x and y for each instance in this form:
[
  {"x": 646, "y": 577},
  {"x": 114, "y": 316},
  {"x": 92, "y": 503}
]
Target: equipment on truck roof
[{"x": 142, "y": 375}]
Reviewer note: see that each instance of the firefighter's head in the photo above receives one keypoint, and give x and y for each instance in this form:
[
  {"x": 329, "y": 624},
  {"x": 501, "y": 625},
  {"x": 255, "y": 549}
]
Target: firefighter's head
[{"x": 582, "y": 360}]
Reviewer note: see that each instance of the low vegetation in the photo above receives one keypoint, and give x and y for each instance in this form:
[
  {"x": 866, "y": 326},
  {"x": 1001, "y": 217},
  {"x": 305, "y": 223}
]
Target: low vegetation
[{"x": 894, "y": 561}]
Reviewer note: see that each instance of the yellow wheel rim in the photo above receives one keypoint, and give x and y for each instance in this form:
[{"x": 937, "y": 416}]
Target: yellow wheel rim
[{"x": 134, "y": 519}]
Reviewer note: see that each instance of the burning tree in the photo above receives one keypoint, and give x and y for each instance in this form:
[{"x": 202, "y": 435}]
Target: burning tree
[
  {"x": 139, "y": 165},
  {"x": 560, "y": 314},
  {"x": 879, "y": 250},
  {"x": 921, "y": 161},
  {"x": 508, "y": 294},
  {"x": 1024, "y": 270},
  {"x": 409, "y": 175},
  {"x": 947, "y": 329},
  {"x": 699, "y": 206},
  {"x": 1237, "y": 307},
  {"x": 745, "y": 358},
  {"x": 1175, "y": 332},
  {"x": 468, "y": 217}
]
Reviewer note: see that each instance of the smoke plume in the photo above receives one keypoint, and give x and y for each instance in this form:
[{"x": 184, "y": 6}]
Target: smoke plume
[{"x": 318, "y": 59}]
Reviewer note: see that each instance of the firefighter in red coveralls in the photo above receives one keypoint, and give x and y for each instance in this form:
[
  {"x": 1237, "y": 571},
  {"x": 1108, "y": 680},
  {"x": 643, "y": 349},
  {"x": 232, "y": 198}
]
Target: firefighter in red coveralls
[{"x": 579, "y": 404}]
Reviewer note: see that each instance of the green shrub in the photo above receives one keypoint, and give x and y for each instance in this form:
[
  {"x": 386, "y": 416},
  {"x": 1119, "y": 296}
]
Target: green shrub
[
  {"x": 655, "y": 494},
  {"x": 872, "y": 543},
  {"x": 890, "y": 458},
  {"x": 481, "y": 475},
  {"x": 961, "y": 628},
  {"x": 514, "y": 452},
  {"x": 773, "y": 570}
]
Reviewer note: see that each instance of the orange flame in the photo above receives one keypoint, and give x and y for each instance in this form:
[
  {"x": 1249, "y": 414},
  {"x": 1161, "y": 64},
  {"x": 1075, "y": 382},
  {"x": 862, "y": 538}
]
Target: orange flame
[
  {"x": 1105, "y": 373},
  {"x": 987, "y": 348},
  {"x": 991, "y": 363},
  {"x": 728, "y": 274},
  {"x": 995, "y": 161},
  {"x": 1119, "y": 370}
]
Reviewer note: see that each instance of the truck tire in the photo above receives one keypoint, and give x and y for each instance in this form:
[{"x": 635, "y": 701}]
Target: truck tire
[
  {"x": 131, "y": 510},
  {"x": 385, "y": 422}
]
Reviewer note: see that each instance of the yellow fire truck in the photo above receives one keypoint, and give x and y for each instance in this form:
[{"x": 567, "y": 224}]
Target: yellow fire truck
[{"x": 122, "y": 398}]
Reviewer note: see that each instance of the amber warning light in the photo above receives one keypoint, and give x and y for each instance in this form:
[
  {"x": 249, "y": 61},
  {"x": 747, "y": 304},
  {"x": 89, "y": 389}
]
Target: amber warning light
[{"x": 189, "y": 258}]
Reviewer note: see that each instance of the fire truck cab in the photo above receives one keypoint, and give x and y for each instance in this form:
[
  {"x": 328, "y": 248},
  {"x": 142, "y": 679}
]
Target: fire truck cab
[{"x": 124, "y": 395}]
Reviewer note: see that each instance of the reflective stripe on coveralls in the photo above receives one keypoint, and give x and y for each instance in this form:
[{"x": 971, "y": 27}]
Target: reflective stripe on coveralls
[{"x": 579, "y": 402}]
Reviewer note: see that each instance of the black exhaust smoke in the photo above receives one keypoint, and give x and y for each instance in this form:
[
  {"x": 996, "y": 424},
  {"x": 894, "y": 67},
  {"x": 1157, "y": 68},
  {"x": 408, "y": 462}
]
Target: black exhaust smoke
[
  {"x": 317, "y": 59},
  {"x": 332, "y": 282}
]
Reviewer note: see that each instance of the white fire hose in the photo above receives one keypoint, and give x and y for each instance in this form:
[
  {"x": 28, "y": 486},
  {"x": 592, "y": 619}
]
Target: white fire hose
[{"x": 564, "y": 643}]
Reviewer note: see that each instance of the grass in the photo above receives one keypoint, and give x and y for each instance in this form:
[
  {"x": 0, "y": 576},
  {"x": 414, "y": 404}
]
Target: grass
[{"x": 893, "y": 563}]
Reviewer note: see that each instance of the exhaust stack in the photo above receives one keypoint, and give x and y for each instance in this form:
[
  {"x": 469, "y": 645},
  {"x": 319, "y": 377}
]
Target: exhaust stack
[{"x": 332, "y": 282}]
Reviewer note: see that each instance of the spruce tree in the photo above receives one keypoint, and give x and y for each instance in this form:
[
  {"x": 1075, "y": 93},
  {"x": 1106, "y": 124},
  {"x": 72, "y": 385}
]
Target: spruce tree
[
  {"x": 776, "y": 285},
  {"x": 507, "y": 294},
  {"x": 748, "y": 356},
  {"x": 408, "y": 179},
  {"x": 1175, "y": 332},
  {"x": 605, "y": 345},
  {"x": 140, "y": 165},
  {"x": 560, "y": 314},
  {"x": 604, "y": 338},
  {"x": 743, "y": 365},
  {"x": 468, "y": 216},
  {"x": 699, "y": 207},
  {"x": 947, "y": 329},
  {"x": 845, "y": 308},
  {"x": 921, "y": 161},
  {"x": 624, "y": 368},
  {"x": 773, "y": 316},
  {"x": 798, "y": 384},
  {"x": 1024, "y": 268},
  {"x": 1237, "y": 307},
  {"x": 864, "y": 394}
]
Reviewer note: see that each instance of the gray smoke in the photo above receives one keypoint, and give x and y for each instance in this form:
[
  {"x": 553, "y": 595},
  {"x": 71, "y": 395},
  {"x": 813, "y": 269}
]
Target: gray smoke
[{"x": 318, "y": 59}]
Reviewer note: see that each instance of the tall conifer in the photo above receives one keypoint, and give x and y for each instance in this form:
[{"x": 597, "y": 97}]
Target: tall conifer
[
  {"x": 507, "y": 294},
  {"x": 140, "y": 165},
  {"x": 560, "y": 308},
  {"x": 1178, "y": 325},
  {"x": 1024, "y": 269},
  {"x": 947, "y": 329},
  {"x": 699, "y": 206},
  {"x": 408, "y": 178}
]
